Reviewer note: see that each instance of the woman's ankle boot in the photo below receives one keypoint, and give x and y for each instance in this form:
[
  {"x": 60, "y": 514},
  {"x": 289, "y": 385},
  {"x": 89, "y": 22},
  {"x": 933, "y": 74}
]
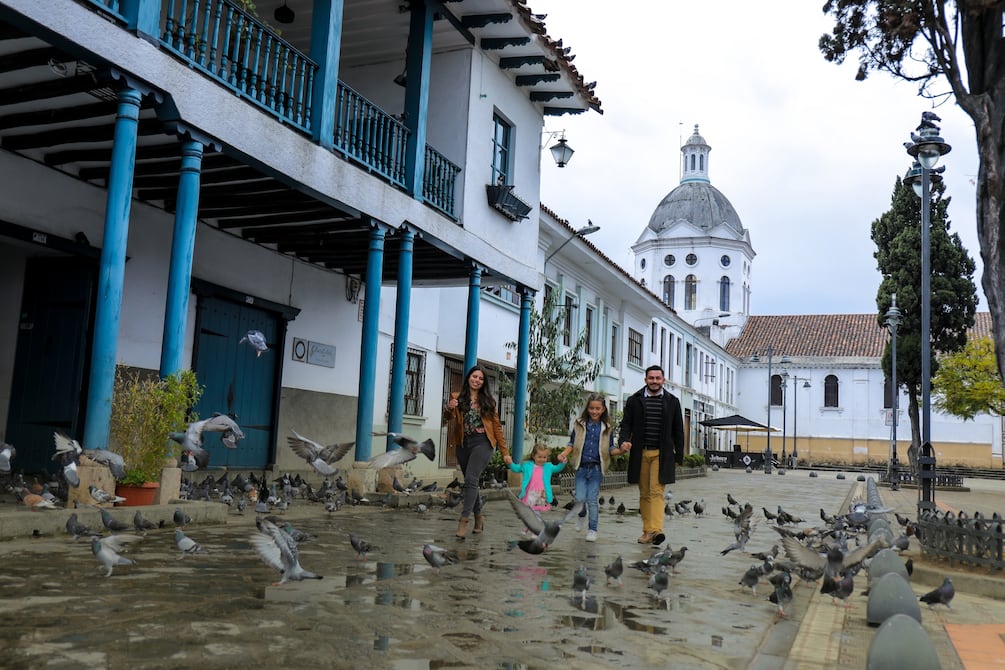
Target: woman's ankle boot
[
  {"x": 479, "y": 523},
  {"x": 462, "y": 528}
]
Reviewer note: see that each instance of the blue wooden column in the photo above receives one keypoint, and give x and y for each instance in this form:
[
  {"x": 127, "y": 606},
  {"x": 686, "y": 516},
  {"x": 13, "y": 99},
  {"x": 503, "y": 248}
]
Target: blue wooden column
[
  {"x": 471, "y": 333},
  {"x": 143, "y": 17},
  {"x": 522, "y": 366},
  {"x": 182, "y": 248},
  {"x": 368, "y": 348},
  {"x": 112, "y": 271},
  {"x": 418, "y": 55},
  {"x": 326, "y": 41},
  {"x": 399, "y": 356}
]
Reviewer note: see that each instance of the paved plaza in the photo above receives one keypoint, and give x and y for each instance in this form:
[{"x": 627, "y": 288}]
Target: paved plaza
[{"x": 497, "y": 608}]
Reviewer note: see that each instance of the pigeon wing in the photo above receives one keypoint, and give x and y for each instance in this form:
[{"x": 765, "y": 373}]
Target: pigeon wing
[
  {"x": 334, "y": 453},
  {"x": 802, "y": 555},
  {"x": 530, "y": 518},
  {"x": 854, "y": 558},
  {"x": 574, "y": 512},
  {"x": 65, "y": 444},
  {"x": 428, "y": 449},
  {"x": 119, "y": 542},
  {"x": 109, "y": 458},
  {"x": 303, "y": 447},
  {"x": 390, "y": 459}
]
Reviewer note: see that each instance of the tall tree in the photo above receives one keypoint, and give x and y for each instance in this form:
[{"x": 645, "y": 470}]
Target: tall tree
[
  {"x": 558, "y": 373},
  {"x": 897, "y": 235},
  {"x": 968, "y": 382},
  {"x": 935, "y": 43}
]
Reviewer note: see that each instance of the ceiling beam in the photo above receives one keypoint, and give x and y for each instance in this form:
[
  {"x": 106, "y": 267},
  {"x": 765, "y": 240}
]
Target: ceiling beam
[
  {"x": 76, "y": 135},
  {"x": 545, "y": 96},
  {"x": 497, "y": 43},
  {"x": 32, "y": 58},
  {"x": 321, "y": 215},
  {"x": 534, "y": 79},
  {"x": 45, "y": 117},
  {"x": 56, "y": 88},
  {"x": 514, "y": 62},
  {"x": 482, "y": 20}
]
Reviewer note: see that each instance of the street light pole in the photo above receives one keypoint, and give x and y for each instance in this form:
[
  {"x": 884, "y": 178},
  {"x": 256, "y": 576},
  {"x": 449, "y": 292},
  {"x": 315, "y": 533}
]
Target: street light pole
[
  {"x": 927, "y": 147},
  {"x": 756, "y": 359},
  {"x": 795, "y": 417},
  {"x": 892, "y": 321},
  {"x": 785, "y": 389}
]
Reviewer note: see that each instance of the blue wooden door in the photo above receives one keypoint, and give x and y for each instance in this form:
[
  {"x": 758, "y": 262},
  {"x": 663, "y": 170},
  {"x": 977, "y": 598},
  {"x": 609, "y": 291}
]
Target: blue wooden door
[
  {"x": 48, "y": 389},
  {"x": 236, "y": 380}
]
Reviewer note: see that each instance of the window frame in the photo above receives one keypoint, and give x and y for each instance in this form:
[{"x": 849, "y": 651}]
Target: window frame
[
  {"x": 725, "y": 285},
  {"x": 636, "y": 343},
  {"x": 832, "y": 392},
  {"x": 502, "y": 150},
  {"x": 668, "y": 290},
  {"x": 690, "y": 292}
]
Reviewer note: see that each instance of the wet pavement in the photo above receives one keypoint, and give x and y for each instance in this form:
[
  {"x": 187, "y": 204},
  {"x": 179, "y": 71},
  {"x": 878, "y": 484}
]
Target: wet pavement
[{"x": 497, "y": 608}]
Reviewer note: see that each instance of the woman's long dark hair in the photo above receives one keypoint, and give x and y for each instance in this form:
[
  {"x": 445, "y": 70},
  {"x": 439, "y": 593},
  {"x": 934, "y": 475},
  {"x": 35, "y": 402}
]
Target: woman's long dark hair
[{"x": 486, "y": 403}]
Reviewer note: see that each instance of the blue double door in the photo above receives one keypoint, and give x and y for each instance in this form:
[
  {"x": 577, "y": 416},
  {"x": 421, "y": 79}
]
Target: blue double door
[{"x": 236, "y": 380}]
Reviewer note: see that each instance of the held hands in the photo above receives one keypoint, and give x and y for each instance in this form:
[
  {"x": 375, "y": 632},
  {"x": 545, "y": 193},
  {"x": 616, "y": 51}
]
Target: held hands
[
  {"x": 626, "y": 447},
  {"x": 507, "y": 459}
]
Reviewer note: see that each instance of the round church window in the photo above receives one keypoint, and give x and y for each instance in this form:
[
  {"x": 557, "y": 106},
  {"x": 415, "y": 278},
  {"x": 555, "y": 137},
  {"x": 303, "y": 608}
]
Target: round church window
[
  {"x": 691, "y": 259},
  {"x": 725, "y": 261},
  {"x": 669, "y": 260}
]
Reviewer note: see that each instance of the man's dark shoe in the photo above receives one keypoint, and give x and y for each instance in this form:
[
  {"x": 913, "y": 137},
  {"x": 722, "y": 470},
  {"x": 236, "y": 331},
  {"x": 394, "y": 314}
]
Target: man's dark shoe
[{"x": 659, "y": 538}]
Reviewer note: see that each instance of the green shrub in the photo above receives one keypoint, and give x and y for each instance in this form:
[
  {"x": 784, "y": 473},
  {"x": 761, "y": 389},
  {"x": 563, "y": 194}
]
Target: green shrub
[{"x": 694, "y": 461}]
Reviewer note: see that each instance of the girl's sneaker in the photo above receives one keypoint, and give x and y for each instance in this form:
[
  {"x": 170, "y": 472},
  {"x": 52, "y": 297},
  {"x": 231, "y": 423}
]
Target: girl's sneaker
[{"x": 591, "y": 536}]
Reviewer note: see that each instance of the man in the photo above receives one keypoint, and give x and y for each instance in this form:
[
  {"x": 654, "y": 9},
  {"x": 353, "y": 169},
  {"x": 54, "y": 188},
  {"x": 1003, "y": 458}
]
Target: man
[{"x": 653, "y": 424}]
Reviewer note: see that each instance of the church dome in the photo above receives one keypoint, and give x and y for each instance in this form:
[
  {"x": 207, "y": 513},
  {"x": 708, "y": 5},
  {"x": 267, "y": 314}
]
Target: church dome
[{"x": 698, "y": 203}]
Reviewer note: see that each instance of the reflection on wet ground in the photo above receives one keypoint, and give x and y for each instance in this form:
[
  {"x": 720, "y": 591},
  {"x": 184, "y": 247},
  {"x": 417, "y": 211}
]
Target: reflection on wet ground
[{"x": 497, "y": 608}]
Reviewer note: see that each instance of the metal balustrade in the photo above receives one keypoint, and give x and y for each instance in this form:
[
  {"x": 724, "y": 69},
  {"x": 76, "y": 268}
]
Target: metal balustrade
[{"x": 975, "y": 540}]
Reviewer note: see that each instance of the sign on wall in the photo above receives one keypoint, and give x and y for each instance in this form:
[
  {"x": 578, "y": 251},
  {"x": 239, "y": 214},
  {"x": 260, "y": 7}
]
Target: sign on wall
[{"x": 313, "y": 353}]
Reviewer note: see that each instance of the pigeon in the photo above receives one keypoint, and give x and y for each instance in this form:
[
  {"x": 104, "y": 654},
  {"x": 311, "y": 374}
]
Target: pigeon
[
  {"x": 242, "y": 504},
  {"x": 699, "y": 507},
  {"x": 111, "y": 523},
  {"x": 438, "y": 556},
  {"x": 674, "y": 559},
  {"x": 835, "y": 561},
  {"x": 621, "y": 508},
  {"x": 658, "y": 583},
  {"x": 35, "y": 501},
  {"x": 75, "y": 528},
  {"x": 321, "y": 458},
  {"x": 455, "y": 484},
  {"x": 942, "y": 595},
  {"x": 255, "y": 339},
  {"x": 185, "y": 544},
  {"x": 614, "y": 570},
  {"x": 741, "y": 529},
  {"x": 141, "y": 523},
  {"x": 67, "y": 454},
  {"x": 106, "y": 549},
  {"x": 750, "y": 578},
  {"x": 194, "y": 456},
  {"x": 360, "y": 545},
  {"x": 545, "y": 532},
  {"x": 180, "y": 518},
  {"x": 409, "y": 449},
  {"x": 610, "y": 501},
  {"x": 782, "y": 595},
  {"x": 731, "y": 500},
  {"x": 110, "y": 459},
  {"x": 278, "y": 549},
  {"x": 843, "y": 588},
  {"x": 7, "y": 453}
]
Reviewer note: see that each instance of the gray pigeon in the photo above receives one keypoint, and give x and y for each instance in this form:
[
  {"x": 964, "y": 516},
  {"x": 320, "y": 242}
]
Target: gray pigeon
[
  {"x": 76, "y": 528},
  {"x": 408, "y": 450},
  {"x": 322, "y": 459},
  {"x": 614, "y": 570},
  {"x": 111, "y": 523},
  {"x": 67, "y": 454},
  {"x": 180, "y": 518},
  {"x": 186, "y": 545},
  {"x": 782, "y": 595},
  {"x": 742, "y": 527},
  {"x": 438, "y": 556},
  {"x": 942, "y": 595},
  {"x": 581, "y": 580},
  {"x": 110, "y": 459},
  {"x": 278, "y": 550},
  {"x": 141, "y": 523},
  {"x": 360, "y": 545},
  {"x": 194, "y": 456},
  {"x": 106, "y": 549},
  {"x": 102, "y": 496},
  {"x": 256, "y": 339},
  {"x": 7, "y": 453},
  {"x": 546, "y": 532},
  {"x": 659, "y": 583},
  {"x": 751, "y": 577}
]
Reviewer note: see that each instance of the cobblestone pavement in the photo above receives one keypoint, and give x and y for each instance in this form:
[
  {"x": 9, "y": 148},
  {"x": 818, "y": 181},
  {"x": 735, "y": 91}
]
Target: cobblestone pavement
[{"x": 497, "y": 608}]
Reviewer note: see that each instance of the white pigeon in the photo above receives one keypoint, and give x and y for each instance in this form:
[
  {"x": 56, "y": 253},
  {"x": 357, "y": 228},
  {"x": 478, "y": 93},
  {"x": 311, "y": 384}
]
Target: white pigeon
[
  {"x": 191, "y": 439},
  {"x": 103, "y": 496},
  {"x": 408, "y": 451},
  {"x": 256, "y": 339},
  {"x": 322, "y": 459},
  {"x": 186, "y": 545},
  {"x": 67, "y": 454},
  {"x": 278, "y": 549},
  {"x": 7, "y": 453},
  {"x": 106, "y": 549}
]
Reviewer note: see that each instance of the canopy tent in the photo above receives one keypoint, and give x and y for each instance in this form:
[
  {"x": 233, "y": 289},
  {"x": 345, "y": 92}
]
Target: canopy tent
[{"x": 737, "y": 422}]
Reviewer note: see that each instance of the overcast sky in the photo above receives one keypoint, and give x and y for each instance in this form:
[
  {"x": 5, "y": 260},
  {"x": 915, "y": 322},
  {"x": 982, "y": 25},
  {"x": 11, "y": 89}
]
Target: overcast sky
[{"x": 807, "y": 155}]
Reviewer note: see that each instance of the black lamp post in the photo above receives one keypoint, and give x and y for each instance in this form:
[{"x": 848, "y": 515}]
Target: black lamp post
[
  {"x": 926, "y": 147},
  {"x": 892, "y": 321},
  {"x": 795, "y": 417},
  {"x": 785, "y": 388},
  {"x": 770, "y": 351}
]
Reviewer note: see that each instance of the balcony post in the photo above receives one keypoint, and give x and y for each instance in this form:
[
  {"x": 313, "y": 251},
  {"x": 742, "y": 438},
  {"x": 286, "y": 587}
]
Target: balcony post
[
  {"x": 417, "y": 59},
  {"x": 326, "y": 40}
]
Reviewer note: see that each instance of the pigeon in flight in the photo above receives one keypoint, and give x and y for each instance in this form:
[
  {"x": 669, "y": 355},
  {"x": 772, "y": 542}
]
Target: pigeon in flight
[
  {"x": 256, "y": 339},
  {"x": 194, "y": 456},
  {"x": 742, "y": 528},
  {"x": 546, "y": 532},
  {"x": 438, "y": 556},
  {"x": 106, "y": 549},
  {"x": 278, "y": 549},
  {"x": 7, "y": 453},
  {"x": 68, "y": 455},
  {"x": 835, "y": 561},
  {"x": 408, "y": 451},
  {"x": 102, "y": 496},
  {"x": 322, "y": 459},
  {"x": 942, "y": 595}
]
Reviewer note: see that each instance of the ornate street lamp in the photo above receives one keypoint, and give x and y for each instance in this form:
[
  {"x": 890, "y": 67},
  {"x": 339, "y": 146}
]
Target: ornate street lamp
[
  {"x": 926, "y": 147},
  {"x": 795, "y": 417},
  {"x": 756, "y": 359},
  {"x": 892, "y": 321}
]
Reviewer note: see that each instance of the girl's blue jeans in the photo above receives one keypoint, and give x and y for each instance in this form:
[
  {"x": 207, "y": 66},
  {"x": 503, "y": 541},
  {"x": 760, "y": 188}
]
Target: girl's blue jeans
[{"x": 588, "y": 480}]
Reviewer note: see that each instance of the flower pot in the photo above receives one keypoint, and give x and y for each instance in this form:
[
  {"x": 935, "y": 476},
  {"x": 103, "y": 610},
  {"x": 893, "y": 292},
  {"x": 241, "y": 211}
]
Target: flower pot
[{"x": 138, "y": 494}]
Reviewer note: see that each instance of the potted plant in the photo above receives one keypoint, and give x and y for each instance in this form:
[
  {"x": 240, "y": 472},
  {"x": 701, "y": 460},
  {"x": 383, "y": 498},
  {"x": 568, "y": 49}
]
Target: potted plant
[{"x": 145, "y": 409}]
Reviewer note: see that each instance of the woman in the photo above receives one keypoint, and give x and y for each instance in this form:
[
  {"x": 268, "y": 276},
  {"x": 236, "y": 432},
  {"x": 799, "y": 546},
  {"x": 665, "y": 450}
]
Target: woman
[{"x": 474, "y": 429}]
